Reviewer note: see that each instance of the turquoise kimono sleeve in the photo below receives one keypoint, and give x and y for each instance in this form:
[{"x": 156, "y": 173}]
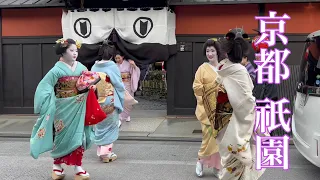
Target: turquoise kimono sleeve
[
  {"x": 44, "y": 92},
  {"x": 44, "y": 104},
  {"x": 119, "y": 89}
]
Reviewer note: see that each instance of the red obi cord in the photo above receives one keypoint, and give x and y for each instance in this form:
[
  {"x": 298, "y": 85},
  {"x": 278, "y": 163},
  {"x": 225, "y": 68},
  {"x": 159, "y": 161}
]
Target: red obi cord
[
  {"x": 72, "y": 159},
  {"x": 108, "y": 79},
  {"x": 222, "y": 98}
]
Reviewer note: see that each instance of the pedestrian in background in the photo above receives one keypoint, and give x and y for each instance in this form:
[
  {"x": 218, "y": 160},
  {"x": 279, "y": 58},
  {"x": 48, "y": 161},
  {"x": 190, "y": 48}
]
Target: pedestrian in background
[
  {"x": 251, "y": 70},
  {"x": 111, "y": 93},
  {"x": 130, "y": 74}
]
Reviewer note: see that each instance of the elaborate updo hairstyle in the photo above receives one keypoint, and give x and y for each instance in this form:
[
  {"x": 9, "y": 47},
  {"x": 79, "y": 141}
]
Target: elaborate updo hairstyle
[
  {"x": 62, "y": 45},
  {"x": 107, "y": 50},
  {"x": 216, "y": 44},
  {"x": 119, "y": 53},
  {"x": 235, "y": 45}
]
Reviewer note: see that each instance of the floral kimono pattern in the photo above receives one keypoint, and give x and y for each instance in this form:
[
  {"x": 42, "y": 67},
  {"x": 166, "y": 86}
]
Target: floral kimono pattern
[
  {"x": 235, "y": 140},
  {"x": 111, "y": 95},
  {"x": 205, "y": 88},
  {"x": 59, "y": 105}
]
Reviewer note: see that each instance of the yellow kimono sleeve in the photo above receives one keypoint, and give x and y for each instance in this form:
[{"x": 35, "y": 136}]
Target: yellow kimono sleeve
[{"x": 197, "y": 83}]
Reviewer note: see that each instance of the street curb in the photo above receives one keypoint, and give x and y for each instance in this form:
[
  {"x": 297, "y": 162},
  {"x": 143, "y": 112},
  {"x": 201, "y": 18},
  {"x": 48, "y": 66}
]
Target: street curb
[
  {"x": 181, "y": 117},
  {"x": 121, "y": 137},
  {"x": 140, "y": 138},
  {"x": 14, "y": 135}
]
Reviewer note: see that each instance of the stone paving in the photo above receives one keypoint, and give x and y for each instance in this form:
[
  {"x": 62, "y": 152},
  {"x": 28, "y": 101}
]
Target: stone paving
[
  {"x": 137, "y": 160},
  {"x": 148, "y": 120},
  {"x": 147, "y": 104},
  {"x": 144, "y": 124}
]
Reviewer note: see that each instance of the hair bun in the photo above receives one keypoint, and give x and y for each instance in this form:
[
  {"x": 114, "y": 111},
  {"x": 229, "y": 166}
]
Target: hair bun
[{"x": 58, "y": 49}]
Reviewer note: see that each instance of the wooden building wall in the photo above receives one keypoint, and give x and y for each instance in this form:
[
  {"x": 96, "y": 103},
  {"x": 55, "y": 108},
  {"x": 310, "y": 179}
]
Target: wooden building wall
[
  {"x": 28, "y": 36},
  {"x": 195, "y": 24}
]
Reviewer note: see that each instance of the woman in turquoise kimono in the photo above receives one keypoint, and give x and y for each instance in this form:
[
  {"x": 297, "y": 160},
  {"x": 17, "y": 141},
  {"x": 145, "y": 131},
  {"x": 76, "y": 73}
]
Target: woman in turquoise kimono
[
  {"x": 111, "y": 98},
  {"x": 60, "y": 126}
]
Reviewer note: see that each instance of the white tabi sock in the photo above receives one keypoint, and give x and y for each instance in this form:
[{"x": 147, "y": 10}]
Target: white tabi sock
[
  {"x": 57, "y": 167},
  {"x": 119, "y": 123},
  {"x": 79, "y": 169}
]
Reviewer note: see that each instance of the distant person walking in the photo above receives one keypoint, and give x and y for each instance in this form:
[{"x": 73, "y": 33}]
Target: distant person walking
[{"x": 130, "y": 74}]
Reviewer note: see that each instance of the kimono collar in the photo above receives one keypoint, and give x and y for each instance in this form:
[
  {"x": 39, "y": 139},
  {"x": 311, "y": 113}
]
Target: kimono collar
[
  {"x": 230, "y": 68},
  {"x": 104, "y": 63},
  {"x": 66, "y": 67}
]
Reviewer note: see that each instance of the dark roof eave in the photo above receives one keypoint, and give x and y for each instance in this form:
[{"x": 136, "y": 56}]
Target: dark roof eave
[
  {"x": 173, "y": 3},
  {"x": 31, "y": 6}
]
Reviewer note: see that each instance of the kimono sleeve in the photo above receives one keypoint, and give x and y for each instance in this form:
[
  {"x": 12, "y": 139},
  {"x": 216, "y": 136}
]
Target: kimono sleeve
[
  {"x": 243, "y": 117},
  {"x": 197, "y": 82},
  {"x": 135, "y": 77},
  {"x": 117, "y": 83},
  {"x": 44, "y": 92}
]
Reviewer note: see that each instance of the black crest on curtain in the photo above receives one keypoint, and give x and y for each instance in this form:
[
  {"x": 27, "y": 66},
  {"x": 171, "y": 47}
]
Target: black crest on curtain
[
  {"x": 145, "y": 53},
  {"x": 142, "y": 54}
]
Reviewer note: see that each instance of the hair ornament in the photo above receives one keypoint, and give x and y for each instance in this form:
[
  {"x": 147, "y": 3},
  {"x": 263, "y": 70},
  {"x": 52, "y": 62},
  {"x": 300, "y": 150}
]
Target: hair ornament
[
  {"x": 214, "y": 39},
  {"x": 63, "y": 43},
  {"x": 78, "y": 44}
]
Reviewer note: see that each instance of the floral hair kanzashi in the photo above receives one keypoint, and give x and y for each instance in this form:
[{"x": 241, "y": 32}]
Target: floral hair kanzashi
[{"x": 64, "y": 43}]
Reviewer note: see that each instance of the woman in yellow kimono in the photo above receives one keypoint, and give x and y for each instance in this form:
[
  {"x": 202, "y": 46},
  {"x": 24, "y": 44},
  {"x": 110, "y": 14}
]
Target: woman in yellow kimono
[{"x": 205, "y": 79}]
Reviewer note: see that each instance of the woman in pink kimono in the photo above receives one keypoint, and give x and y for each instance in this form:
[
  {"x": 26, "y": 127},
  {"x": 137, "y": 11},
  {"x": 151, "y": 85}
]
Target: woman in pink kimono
[{"x": 130, "y": 74}]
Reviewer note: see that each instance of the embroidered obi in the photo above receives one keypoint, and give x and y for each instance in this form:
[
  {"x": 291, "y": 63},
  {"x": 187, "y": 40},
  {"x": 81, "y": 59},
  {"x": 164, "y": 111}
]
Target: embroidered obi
[
  {"x": 105, "y": 91},
  {"x": 223, "y": 111},
  {"x": 126, "y": 77},
  {"x": 66, "y": 87}
]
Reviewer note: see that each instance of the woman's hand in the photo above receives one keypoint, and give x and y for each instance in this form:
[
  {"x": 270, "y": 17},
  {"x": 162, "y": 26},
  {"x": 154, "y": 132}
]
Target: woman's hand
[
  {"x": 132, "y": 63},
  {"x": 94, "y": 87}
]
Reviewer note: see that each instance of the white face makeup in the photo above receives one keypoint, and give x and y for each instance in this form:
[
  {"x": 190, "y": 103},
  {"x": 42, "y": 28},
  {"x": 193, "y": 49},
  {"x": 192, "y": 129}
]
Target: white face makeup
[
  {"x": 211, "y": 54},
  {"x": 71, "y": 54},
  {"x": 119, "y": 58}
]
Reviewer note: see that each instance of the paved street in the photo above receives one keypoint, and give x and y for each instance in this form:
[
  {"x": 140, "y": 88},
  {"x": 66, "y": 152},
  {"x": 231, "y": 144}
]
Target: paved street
[
  {"x": 138, "y": 160},
  {"x": 146, "y": 124}
]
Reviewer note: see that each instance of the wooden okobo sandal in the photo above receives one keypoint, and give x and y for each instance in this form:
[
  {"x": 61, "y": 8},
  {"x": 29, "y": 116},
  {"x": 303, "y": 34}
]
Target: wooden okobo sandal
[
  {"x": 79, "y": 176},
  {"x": 110, "y": 158},
  {"x": 56, "y": 176}
]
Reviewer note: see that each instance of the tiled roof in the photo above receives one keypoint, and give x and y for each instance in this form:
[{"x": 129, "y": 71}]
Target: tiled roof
[{"x": 31, "y": 3}]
